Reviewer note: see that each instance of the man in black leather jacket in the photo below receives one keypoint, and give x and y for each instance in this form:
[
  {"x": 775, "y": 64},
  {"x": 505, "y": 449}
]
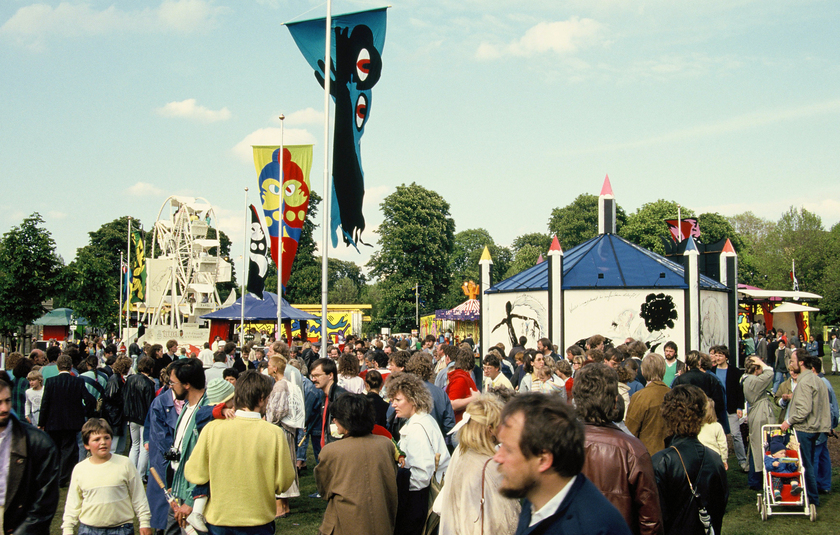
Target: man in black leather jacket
[{"x": 32, "y": 490}]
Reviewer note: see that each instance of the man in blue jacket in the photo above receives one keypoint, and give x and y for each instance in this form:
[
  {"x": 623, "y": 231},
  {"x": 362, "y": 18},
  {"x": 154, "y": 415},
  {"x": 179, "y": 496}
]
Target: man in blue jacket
[{"x": 541, "y": 458}]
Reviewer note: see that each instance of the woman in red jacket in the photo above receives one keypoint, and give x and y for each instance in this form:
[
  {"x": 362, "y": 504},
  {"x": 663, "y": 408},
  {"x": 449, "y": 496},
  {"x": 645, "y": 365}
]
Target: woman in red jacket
[{"x": 461, "y": 387}]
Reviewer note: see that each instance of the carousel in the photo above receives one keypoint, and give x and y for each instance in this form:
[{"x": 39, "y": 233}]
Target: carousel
[{"x": 460, "y": 322}]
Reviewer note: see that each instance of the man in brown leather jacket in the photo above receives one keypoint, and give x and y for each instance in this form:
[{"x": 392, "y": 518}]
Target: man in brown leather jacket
[{"x": 617, "y": 463}]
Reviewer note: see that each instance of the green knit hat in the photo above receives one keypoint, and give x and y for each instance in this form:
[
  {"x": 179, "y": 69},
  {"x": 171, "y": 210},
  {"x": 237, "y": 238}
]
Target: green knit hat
[{"x": 219, "y": 391}]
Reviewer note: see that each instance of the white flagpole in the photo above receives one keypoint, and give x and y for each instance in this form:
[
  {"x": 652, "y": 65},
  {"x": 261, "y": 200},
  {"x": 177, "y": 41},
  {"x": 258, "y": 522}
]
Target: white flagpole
[
  {"x": 280, "y": 241},
  {"x": 244, "y": 278},
  {"x": 679, "y": 224},
  {"x": 122, "y": 276},
  {"x": 325, "y": 243},
  {"x": 128, "y": 289}
]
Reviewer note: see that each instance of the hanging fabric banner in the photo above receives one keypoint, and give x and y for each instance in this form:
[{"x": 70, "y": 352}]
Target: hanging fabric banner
[
  {"x": 291, "y": 212},
  {"x": 137, "y": 289},
  {"x": 356, "y": 65},
  {"x": 688, "y": 226},
  {"x": 257, "y": 255}
]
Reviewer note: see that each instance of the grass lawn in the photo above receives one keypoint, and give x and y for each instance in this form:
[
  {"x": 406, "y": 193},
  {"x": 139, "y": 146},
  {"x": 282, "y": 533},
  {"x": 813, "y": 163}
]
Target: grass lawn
[{"x": 742, "y": 516}]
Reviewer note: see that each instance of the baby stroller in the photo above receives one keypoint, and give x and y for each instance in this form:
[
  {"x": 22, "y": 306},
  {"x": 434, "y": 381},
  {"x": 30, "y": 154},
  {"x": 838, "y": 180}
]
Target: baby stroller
[{"x": 791, "y": 498}]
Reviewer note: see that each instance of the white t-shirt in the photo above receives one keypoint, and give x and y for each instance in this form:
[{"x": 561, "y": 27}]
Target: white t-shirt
[{"x": 186, "y": 414}]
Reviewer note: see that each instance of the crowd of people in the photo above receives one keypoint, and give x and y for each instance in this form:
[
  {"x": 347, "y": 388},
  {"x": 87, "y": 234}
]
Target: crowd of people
[{"x": 408, "y": 436}]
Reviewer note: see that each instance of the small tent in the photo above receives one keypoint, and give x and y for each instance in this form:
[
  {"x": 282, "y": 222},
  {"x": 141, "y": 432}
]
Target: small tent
[
  {"x": 56, "y": 323},
  {"x": 256, "y": 311}
]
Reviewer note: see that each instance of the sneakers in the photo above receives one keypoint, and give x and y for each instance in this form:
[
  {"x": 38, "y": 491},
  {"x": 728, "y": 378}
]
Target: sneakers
[
  {"x": 197, "y": 521},
  {"x": 777, "y": 494},
  {"x": 795, "y": 488}
]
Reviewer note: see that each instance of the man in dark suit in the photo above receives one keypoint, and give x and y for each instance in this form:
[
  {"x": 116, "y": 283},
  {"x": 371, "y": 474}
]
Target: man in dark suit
[{"x": 65, "y": 406}]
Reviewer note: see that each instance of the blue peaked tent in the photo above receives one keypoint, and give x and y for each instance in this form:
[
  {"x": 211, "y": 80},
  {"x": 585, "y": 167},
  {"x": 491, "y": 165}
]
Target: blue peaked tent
[
  {"x": 607, "y": 261},
  {"x": 256, "y": 309}
]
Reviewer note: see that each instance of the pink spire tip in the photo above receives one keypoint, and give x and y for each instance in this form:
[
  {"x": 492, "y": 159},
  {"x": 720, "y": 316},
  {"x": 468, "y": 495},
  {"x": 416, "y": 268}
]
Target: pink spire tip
[{"x": 607, "y": 188}]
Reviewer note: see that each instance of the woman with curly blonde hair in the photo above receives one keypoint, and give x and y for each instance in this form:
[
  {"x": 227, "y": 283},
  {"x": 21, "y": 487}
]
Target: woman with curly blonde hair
[
  {"x": 420, "y": 440},
  {"x": 470, "y": 502}
]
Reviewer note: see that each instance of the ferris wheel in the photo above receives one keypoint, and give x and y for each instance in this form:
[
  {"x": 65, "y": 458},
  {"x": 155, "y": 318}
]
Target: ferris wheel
[{"x": 184, "y": 266}]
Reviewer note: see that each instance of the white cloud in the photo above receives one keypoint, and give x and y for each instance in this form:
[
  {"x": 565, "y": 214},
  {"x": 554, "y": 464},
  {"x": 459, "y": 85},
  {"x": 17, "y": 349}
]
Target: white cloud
[
  {"x": 144, "y": 189},
  {"x": 271, "y": 136},
  {"x": 188, "y": 109},
  {"x": 32, "y": 25},
  {"x": 187, "y": 15},
  {"x": 560, "y": 37},
  {"x": 305, "y": 116}
]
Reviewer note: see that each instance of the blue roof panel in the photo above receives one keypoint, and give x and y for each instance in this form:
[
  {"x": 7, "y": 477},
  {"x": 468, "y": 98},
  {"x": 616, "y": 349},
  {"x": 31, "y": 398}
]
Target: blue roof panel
[{"x": 618, "y": 263}]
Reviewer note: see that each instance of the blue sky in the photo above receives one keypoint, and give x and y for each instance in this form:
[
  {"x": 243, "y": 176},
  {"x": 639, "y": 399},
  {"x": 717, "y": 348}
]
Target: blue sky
[{"x": 506, "y": 109}]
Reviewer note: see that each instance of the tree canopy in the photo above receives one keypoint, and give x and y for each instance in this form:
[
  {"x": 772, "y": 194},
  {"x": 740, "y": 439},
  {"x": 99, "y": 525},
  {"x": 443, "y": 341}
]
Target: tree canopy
[
  {"x": 577, "y": 222},
  {"x": 646, "y": 226},
  {"x": 94, "y": 292},
  {"x": 30, "y": 273},
  {"x": 416, "y": 239},
  {"x": 463, "y": 264}
]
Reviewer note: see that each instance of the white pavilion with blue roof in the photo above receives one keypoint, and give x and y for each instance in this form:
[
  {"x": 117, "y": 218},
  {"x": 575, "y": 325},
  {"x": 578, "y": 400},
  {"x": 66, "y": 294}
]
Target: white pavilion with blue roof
[{"x": 615, "y": 288}]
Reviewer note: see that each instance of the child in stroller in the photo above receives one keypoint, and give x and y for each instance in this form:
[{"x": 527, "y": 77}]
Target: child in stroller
[{"x": 777, "y": 462}]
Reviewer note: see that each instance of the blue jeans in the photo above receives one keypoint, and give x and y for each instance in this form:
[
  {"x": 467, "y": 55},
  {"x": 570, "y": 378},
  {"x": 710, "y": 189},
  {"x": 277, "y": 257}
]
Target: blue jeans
[
  {"x": 822, "y": 466},
  {"x": 125, "y": 529},
  {"x": 265, "y": 529},
  {"x": 118, "y": 442},
  {"x": 778, "y": 377},
  {"x": 808, "y": 447},
  {"x": 300, "y": 454}
]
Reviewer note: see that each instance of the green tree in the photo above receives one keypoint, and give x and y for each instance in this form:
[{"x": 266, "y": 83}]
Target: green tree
[
  {"x": 344, "y": 291},
  {"x": 830, "y": 303},
  {"x": 526, "y": 257},
  {"x": 416, "y": 240},
  {"x": 577, "y": 222},
  {"x": 752, "y": 229},
  {"x": 30, "y": 271},
  {"x": 801, "y": 238},
  {"x": 463, "y": 263},
  {"x": 646, "y": 226},
  {"x": 95, "y": 290},
  {"x": 542, "y": 242},
  {"x": 715, "y": 227}
]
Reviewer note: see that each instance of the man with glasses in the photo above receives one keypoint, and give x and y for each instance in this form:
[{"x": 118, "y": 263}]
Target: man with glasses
[
  {"x": 325, "y": 376},
  {"x": 493, "y": 376}
]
